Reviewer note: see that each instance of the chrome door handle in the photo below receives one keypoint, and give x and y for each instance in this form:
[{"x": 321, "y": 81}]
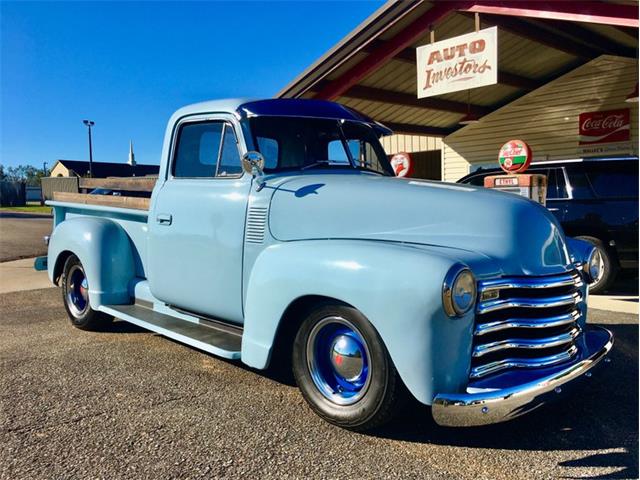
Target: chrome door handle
[
  {"x": 164, "y": 218},
  {"x": 553, "y": 209}
]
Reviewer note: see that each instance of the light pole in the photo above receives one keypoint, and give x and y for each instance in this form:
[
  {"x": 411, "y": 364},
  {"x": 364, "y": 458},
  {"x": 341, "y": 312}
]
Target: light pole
[{"x": 90, "y": 124}]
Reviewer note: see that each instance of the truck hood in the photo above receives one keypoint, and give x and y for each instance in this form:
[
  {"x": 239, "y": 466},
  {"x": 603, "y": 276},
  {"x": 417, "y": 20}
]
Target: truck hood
[{"x": 469, "y": 223}]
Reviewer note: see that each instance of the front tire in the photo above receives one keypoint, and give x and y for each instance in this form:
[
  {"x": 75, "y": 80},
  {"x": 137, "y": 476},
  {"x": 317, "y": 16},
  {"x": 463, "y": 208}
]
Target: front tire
[
  {"x": 344, "y": 370},
  {"x": 75, "y": 295}
]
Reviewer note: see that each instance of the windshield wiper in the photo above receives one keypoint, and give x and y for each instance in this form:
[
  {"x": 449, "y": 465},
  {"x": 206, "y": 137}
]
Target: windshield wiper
[{"x": 315, "y": 164}]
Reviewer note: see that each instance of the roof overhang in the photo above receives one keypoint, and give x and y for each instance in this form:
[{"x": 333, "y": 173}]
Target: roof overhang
[{"x": 373, "y": 69}]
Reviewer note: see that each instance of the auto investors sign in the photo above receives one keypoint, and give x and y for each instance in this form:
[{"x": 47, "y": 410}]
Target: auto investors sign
[{"x": 459, "y": 63}]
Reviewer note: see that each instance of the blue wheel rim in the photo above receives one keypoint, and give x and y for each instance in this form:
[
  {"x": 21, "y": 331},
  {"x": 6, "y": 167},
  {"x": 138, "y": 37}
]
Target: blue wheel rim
[
  {"x": 77, "y": 291},
  {"x": 338, "y": 360}
]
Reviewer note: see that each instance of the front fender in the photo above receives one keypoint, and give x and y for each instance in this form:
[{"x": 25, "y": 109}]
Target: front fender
[
  {"x": 397, "y": 287},
  {"x": 579, "y": 250},
  {"x": 104, "y": 249}
]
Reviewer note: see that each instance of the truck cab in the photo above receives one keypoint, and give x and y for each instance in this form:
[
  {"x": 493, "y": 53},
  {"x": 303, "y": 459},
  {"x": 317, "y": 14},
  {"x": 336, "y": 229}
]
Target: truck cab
[{"x": 273, "y": 234}]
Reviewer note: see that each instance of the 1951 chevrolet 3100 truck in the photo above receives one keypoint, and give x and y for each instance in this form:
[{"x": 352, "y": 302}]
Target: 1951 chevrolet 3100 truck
[{"x": 276, "y": 229}]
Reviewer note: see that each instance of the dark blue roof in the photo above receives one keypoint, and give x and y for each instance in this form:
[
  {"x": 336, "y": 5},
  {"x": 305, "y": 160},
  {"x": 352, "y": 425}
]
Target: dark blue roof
[{"x": 297, "y": 107}]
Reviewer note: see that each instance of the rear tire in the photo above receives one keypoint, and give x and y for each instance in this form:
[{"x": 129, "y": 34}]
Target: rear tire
[
  {"x": 609, "y": 269},
  {"x": 75, "y": 295},
  {"x": 344, "y": 370}
]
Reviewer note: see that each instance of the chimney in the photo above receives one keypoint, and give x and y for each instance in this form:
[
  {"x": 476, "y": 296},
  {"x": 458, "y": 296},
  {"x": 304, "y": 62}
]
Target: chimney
[{"x": 132, "y": 157}]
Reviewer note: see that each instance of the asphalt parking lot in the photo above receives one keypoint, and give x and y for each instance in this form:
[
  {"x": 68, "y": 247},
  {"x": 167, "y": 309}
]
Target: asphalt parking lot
[
  {"x": 128, "y": 403},
  {"x": 21, "y": 235}
]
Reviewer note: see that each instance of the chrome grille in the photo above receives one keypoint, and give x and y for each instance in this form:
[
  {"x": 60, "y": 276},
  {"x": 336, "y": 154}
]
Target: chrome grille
[{"x": 526, "y": 322}]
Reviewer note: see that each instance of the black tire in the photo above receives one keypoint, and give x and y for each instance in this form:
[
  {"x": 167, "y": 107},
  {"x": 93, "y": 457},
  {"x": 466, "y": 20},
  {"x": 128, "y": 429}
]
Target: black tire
[
  {"x": 609, "y": 268},
  {"x": 76, "y": 300},
  {"x": 383, "y": 392}
]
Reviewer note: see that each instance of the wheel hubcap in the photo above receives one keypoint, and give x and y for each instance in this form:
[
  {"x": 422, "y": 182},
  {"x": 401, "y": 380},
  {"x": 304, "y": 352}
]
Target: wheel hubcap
[
  {"x": 77, "y": 291},
  {"x": 346, "y": 357},
  {"x": 338, "y": 360}
]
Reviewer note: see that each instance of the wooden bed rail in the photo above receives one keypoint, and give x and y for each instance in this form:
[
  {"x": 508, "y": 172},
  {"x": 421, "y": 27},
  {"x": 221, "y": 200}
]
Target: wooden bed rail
[
  {"x": 132, "y": 184},
  {"x": 136, "y": 203}
]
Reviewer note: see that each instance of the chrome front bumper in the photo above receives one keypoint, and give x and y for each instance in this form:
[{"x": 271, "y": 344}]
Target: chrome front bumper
[{"x": 499, "y": 405}]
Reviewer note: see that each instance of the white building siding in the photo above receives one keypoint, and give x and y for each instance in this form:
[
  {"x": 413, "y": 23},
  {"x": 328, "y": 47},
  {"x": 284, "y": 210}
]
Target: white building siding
[
  {"x": 410, "y": 143},
  {"x": 547, "y": 118}
]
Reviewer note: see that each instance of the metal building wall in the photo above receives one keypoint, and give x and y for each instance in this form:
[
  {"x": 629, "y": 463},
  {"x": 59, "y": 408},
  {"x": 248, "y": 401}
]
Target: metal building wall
[
  {"x": 410, "y": 143},
  {"x": 546, "y": 118}
]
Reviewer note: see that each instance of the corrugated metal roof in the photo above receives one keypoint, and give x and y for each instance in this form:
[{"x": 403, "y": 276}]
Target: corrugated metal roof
[{"x": 518, "y": 54}]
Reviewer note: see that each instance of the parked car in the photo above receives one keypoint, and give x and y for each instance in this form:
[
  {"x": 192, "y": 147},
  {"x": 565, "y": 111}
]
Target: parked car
[
  {"x": 595, "y": 200},
  {"x": 275, "y": 234},
  {"x": 119, "y": 193}
]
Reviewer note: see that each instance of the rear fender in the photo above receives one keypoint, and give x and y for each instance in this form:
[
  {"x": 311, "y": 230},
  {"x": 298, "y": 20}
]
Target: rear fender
[
  {"x": 105, "y": 251},
  {"x": 397, "y": 287}
]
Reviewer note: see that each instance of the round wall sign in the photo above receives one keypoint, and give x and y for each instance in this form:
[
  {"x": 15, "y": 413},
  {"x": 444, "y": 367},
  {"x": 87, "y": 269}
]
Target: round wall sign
[
  {"x": 402, "y": 164},
  {"x": 515, "y": 156}
]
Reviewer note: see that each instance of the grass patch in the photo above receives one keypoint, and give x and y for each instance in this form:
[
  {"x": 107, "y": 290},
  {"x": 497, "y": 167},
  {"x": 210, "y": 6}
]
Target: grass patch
[{"x": 28, "y": 209}]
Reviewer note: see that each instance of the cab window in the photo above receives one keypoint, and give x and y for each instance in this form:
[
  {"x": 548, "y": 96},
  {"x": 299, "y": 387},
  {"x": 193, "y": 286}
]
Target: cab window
[{"x": 206, "y": 150}]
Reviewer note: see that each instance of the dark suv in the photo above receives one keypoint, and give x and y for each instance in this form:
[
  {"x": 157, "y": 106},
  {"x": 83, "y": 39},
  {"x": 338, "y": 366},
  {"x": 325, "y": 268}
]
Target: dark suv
[{"x": 595, "y": 200}]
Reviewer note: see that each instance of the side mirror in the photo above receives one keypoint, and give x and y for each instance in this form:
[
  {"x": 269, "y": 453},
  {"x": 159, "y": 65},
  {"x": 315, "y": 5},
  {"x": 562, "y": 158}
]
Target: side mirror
[{"x": 253, "y": 163}]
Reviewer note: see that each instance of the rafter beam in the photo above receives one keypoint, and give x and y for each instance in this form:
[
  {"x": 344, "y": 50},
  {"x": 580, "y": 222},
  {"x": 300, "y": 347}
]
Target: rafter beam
[
  {"x": 361, "y": 92},
  {"x": 408, "y": 55},
  {"x": 631, "y": 32},
  {"x": 406, "y": 37},
  {"x": 527, "y": 30},
  {"x": 589, "y": 12},
  {"x": 586, "y": 36},
  {"x": 411, "y": 129}
]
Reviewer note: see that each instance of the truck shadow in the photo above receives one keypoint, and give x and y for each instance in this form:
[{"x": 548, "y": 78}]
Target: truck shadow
[{"x": 602, "y": 414}]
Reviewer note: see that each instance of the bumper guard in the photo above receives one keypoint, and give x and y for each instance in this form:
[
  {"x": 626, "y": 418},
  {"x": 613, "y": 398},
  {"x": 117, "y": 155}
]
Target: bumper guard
[{"x": 500, "y": 405}]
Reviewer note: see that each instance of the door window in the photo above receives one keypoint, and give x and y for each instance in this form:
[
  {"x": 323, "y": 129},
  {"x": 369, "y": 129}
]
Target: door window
[
  {"x": 561, "y": 183},
  {"x": 206, "y": 149},
  {"x": 229, "y": 156},
  {"x": 613, "y": 179}
]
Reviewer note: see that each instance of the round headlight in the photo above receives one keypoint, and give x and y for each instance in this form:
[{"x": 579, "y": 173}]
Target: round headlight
[
  {"x": 593, "y": 266},
  {"x": 459, "y": 291}
]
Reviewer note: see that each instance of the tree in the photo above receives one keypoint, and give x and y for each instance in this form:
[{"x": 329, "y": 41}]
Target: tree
[{"x": 22, "y": 173}]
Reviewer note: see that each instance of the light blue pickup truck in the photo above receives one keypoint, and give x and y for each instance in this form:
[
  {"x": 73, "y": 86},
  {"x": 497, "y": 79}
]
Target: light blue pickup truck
[{"x": 277, "y": 232}]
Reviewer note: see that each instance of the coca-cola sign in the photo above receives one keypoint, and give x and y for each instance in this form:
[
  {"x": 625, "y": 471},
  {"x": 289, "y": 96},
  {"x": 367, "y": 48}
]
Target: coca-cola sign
[
  {"x": 604, "y": 127},
  {"x": 459, "y": 63}
]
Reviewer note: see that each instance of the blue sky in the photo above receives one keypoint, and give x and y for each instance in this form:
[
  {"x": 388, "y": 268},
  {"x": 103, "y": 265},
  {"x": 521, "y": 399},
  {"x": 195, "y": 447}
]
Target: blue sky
[{"x": 128, "y": 66}]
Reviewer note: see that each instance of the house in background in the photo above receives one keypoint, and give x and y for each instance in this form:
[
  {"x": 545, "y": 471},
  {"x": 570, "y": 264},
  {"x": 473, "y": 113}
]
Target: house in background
[{"x": 80, "y": 168}]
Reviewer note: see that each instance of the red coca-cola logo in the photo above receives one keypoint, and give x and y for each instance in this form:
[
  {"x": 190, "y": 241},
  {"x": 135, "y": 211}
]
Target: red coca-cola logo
[
  {"x": 604, "y": 127},
  {"x": 612, "y": 121}
]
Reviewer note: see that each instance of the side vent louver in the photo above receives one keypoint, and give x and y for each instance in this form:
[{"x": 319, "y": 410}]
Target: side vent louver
[{"x": 256, "y": 223}]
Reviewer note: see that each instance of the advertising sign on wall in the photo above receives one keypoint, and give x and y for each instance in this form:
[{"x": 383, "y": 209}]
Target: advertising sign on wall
[
  {"x": 604, "y": 127},
  {"x": 604, "y": 132},
  {"x": 402, "y": 164},
  {"x": 459, "y": 63}
]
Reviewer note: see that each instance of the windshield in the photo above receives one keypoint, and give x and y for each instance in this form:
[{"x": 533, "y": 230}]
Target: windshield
[{"x": 294, "y": 143}]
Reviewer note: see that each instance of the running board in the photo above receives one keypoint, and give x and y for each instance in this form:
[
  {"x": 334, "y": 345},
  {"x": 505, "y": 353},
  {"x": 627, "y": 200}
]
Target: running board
[{"x": 218, "y": 340}]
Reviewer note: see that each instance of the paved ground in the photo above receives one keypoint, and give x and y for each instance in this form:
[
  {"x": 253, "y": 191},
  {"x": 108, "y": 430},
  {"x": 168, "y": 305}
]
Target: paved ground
[
  {"x": 127, "y": 403},
  {"x": 19, "y": 275},
  {"x": 21, "y": 235}
]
